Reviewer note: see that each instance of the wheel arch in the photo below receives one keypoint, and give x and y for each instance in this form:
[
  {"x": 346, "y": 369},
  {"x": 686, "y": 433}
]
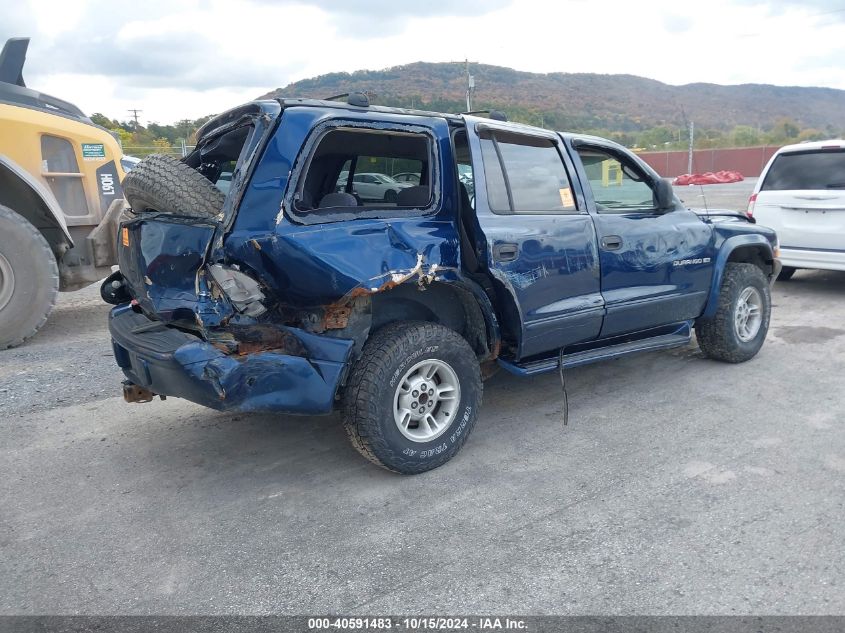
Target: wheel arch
[
  {"x": 23, "y": 194},
  {"x": 459, "y": 305},
  {"x": 745, "y": 249}
]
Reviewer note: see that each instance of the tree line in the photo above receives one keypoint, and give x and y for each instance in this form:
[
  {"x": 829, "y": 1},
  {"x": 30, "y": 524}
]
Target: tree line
[{"x": 140, "y": 140}]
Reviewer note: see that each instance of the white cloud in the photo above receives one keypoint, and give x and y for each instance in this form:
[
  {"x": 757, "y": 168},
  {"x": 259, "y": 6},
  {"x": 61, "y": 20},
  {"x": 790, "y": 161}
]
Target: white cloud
[{"x": 186, "y": 58}]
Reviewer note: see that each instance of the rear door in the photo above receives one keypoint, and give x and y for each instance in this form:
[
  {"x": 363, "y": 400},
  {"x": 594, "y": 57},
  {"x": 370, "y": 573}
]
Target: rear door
[
  {"x": 802, "y": 197},
  {"x": 540, "y": 241},
  {"x": 656, "y": 266}
]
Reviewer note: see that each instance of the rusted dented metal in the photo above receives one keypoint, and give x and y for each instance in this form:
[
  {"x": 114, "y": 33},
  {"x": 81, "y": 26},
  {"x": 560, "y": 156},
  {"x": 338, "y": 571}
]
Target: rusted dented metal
[{"x": 336, "y": 315}]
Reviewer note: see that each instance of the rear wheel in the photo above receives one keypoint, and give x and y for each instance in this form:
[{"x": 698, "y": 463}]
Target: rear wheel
[
  {"x": 413, "y": 397},
  {"x": 29, "y": 279},
  {"x": 786, "y": 273},
  {"x": 737, "y": 331}
]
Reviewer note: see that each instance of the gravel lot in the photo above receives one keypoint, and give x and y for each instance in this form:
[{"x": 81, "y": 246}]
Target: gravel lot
[{"x": 680, "y": 486}]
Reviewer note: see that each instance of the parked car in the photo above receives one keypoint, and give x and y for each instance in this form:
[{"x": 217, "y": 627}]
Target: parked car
[
  {"x": 129, "y": 162},
  {"x": 372, "y": 186},
  {"x": 286, "y": 295},
  {"x": 801, "y": 195},
  {"x": 414, "y": 179}
]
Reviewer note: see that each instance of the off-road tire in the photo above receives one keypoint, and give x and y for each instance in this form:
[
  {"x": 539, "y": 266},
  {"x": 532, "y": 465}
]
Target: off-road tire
[
  {"x": 717, "y": 336},
  {"x": 35, "y": 285},
  {"x": 786, "y": 273},
  {"x": 368, "y": 398},
  {"x": 166, "y": 184}
]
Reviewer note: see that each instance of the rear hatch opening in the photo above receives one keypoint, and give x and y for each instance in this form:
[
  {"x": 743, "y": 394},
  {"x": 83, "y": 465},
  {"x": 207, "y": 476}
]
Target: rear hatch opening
[{"x": 172, "y": 262}]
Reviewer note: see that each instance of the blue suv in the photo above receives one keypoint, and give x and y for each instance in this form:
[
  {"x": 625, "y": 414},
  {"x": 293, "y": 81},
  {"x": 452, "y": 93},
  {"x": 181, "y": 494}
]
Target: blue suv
[{"x": 519, "y": 248}]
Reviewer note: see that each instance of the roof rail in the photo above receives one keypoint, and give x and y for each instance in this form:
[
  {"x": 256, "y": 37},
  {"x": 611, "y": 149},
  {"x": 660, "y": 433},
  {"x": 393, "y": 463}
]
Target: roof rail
[
  {"x": 358, "y": 99},
  {"x": 495, "y": 115}
]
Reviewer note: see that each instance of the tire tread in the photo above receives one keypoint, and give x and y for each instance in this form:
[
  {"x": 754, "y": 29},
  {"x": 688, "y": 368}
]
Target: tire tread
[
  {"x": 165, "y": 184},
  {"x": 365, "y": 384}
]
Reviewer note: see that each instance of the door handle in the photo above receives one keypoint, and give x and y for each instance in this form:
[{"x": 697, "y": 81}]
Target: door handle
[
  {"x": 611, "y": 242},
  {"x": 505, "y": 252}
]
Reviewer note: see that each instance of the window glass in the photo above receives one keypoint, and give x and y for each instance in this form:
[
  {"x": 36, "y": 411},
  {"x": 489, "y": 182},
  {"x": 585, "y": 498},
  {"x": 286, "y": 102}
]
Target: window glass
[
  {"x": 533, "y": 180},
  {"x": 59, "y": 157},
  {"x": 617, "y": 187},
  {"x": 823, "y": 169},
  {"x": 373, "y": 157},
  {"x": 497, "y": 191}
]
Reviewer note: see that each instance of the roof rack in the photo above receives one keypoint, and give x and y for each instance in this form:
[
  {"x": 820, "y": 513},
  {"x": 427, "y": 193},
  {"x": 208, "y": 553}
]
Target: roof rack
[
  {"x": 358, "y": 99},
  {"x": 495, "y": 115}
]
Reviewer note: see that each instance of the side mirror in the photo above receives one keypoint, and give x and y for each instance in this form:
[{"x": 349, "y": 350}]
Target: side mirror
[{"x": 664, "y": 194}]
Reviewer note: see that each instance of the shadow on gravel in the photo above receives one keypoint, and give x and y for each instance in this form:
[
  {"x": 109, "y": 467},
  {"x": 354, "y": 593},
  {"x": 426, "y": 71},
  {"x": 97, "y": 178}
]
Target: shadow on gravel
[{"x": 822, "y": 283}]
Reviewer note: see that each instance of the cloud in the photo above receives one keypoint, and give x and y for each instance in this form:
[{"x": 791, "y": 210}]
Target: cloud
[
  {"x": 365, "y": 19},
  {"x": 675, "y": 23},
  {"x": 829, "y": 10}
]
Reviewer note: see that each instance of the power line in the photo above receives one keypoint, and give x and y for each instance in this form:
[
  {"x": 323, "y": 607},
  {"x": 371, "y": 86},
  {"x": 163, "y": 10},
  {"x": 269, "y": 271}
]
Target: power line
[{"x": 135, "y": 115}]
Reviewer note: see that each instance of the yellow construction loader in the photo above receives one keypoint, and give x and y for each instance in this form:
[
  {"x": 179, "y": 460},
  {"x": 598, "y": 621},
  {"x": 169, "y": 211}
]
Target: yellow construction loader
[{"x": 60, "y": 199}]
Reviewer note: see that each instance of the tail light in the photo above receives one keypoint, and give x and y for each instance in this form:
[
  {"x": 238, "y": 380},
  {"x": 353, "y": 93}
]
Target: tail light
[{"x": 750, "y": 211}]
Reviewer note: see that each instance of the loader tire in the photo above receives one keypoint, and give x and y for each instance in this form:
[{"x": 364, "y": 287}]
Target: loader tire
[{"x": 29, "y": 279}]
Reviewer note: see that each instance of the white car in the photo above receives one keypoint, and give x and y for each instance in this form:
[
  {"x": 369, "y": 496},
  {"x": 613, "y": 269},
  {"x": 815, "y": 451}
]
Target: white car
[
  {"x": 801, "y": 195},
  {"x": 374, "y": 186}
]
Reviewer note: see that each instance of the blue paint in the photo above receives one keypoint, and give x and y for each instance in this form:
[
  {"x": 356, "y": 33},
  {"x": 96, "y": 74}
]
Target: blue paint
[
  {"x": 563, "y": 288},
  {"x": 184, "y": 365}
]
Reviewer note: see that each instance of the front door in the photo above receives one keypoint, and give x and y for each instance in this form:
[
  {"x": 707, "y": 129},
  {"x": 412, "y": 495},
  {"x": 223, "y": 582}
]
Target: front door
[
  {"x": 656, "y": 266},
  {"x": 541, "y": 246}
]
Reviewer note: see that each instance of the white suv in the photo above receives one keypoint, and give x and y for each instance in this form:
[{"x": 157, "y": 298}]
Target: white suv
[{"x": 801, "y": 195}]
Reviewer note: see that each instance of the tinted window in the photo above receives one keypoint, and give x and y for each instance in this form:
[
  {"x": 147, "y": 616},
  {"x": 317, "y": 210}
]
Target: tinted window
[
  {"x": 617, "y": 187},
  {"x": 529, "y": 178},
  {"x": 823, "y": 169}
]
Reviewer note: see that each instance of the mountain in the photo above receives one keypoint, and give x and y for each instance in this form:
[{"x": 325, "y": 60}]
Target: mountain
[{"x": 583, "y": 101}]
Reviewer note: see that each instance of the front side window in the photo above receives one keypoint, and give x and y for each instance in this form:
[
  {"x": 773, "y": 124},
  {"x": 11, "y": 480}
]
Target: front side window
[
  {"x": 60, "y": 168},
  {"x": 617, "y": 186},
  {"x": 352, "y": 169},
  {"x": 815, "y": 170},
  {"x": 525, "y": 174}
]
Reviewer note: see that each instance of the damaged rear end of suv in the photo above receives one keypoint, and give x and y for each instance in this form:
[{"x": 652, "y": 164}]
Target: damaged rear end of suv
[{"x": 244, "y": 287}]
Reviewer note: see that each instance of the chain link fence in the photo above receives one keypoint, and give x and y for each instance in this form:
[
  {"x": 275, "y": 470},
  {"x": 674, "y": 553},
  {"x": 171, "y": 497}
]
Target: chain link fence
[{"x": 179, "y": 150}]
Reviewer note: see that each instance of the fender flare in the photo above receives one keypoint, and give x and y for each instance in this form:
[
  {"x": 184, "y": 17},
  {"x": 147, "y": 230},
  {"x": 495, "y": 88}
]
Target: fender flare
[
  {"x": 491, "y": 321},
  {"x": 728, "y": 247},
  {"x": 45, "y": 195}
]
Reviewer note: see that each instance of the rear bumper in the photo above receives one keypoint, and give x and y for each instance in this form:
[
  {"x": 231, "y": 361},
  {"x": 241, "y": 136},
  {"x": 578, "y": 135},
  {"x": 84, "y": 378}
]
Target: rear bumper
[
  {"x": 812, "y": 258},
  {"x": 170, "y": 362}
]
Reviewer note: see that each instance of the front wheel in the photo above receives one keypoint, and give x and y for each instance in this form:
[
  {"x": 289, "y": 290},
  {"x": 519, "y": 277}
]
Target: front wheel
[
  {"x": 29, "y": 279},
  {"x": 737, "y": 331},
  {"x": 413, "y": 397}
]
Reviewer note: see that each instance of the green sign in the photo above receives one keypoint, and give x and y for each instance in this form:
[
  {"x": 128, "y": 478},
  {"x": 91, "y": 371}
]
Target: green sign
[{"x": 93, "y": 151}]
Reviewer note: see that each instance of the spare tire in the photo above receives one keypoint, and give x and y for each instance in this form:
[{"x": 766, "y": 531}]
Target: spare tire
[{"x": 166, "y": 184}]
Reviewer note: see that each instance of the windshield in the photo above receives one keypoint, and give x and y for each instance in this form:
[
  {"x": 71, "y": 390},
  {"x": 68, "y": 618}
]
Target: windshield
[{"x": 820, "y": 169}]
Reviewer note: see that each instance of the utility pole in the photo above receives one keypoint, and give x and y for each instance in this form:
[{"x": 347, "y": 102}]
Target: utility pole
[
  {"x": 470, "y": 90},
  {"x": 135, "y": 114},
  {"x": 691, "y": 143}
]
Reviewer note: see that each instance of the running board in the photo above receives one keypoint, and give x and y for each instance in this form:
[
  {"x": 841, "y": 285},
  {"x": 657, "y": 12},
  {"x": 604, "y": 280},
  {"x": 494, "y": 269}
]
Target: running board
[{"x": 681, "y": 336}]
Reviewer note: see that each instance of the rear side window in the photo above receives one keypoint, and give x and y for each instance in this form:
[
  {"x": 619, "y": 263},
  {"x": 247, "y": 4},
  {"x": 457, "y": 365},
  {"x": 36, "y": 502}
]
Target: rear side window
[
  {"x": 525, "y": 174},
  {"x": 823, "y": 169},
  {"x": 352, "y": 170}
]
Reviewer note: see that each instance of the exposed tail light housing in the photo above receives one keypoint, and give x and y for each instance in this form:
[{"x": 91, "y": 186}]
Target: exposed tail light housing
[{"x": 750, "y": 211}]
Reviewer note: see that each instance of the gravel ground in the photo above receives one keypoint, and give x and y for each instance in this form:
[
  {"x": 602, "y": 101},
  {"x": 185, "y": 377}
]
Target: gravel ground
[{"x": 680, "y": 486}]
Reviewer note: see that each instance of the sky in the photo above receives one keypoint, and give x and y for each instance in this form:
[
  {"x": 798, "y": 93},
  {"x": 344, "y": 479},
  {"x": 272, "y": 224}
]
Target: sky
[{"x": 178, "y": 59}]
